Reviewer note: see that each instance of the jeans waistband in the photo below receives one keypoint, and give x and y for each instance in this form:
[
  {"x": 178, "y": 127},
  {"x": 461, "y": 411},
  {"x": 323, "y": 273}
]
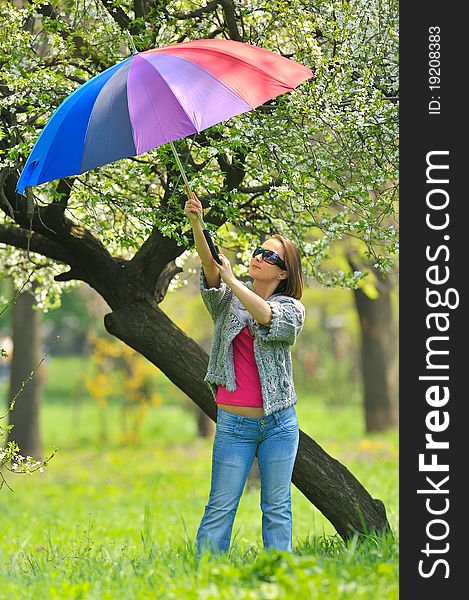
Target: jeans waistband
[{"x": 272, "y": 419}]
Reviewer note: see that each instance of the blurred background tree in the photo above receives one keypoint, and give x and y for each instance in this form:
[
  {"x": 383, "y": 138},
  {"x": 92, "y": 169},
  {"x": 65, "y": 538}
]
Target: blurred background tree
[{"x": 119, "y": 374}]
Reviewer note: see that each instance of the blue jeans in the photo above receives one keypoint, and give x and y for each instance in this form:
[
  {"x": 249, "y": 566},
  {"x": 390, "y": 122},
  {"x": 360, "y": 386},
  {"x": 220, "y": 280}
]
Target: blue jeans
[{"x": 274, "y": 439}]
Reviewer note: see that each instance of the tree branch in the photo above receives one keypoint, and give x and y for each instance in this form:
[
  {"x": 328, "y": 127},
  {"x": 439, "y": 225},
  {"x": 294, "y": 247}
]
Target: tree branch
[
  {"x": 4, "y": 202},
  {"x": 59, "y": 238},
  {"x": 81, "y": 47},
  {"x": 35, "y": 242},
  {"x": 117, "y": 13},
  {"x": 151, "y": 260},
  {"x": 208, "y": 8},
  {"x": 261, "y": 188},
  {"x": 167, "y": 275},
  {"x": 230, "y": 17},
  {"x": 228, "y": 11}
]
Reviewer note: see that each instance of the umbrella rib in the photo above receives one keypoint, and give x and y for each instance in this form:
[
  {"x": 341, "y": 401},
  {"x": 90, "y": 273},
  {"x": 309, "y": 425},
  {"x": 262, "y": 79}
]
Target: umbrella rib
[{"x": 155, "y": 110}]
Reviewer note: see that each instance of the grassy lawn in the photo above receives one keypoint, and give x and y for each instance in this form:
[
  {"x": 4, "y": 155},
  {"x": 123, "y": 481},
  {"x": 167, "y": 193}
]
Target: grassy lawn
[{"x": 108, "y": 520}]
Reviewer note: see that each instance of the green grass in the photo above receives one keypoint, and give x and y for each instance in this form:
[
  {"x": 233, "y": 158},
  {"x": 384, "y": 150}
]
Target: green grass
[{"x": 111, "y": 521}]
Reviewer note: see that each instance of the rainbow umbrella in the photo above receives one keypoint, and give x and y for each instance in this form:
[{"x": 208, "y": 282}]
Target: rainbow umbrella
[{"x": 155, "y": 97}]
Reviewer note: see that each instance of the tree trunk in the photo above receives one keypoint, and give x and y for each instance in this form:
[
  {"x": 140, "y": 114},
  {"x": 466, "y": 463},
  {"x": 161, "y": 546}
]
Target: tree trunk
[
  {"x": 204, "y": 424},
  {"x": 378, "y": 355},
  {"x": 323, "y": 480},
  {"x": 26, "y": 356}
]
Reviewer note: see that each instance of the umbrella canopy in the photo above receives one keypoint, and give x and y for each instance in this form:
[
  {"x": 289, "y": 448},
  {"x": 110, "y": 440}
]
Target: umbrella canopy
[{"x": 155, "y": 97}]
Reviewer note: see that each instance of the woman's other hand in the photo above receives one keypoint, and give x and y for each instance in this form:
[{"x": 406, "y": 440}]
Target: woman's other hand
[{"x": 225, "y": 270}]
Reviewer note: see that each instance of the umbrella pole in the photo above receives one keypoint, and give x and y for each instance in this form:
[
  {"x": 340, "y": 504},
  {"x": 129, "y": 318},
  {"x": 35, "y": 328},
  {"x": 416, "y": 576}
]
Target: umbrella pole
[{"x": 211, "y": 245}]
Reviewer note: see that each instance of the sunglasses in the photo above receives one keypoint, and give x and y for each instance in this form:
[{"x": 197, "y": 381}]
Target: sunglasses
[{"x": 270, "y": 257}]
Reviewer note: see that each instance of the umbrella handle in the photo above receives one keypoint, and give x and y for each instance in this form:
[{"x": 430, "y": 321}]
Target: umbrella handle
[
  {"x": 184, "y": 177},
  {"x": 211, "y": 245}
]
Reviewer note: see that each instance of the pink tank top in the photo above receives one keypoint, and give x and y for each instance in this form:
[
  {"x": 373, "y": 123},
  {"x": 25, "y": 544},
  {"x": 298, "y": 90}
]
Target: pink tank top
[{"x": 248, "y": 386}]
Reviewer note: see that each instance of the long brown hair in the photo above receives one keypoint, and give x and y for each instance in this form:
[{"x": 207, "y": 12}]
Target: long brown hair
[{"x": 293, "y": 285}]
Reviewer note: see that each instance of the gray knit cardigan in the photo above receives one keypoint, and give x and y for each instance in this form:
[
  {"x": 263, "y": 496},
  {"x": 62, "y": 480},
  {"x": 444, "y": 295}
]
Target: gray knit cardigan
[{"x": 271, "y": 344}]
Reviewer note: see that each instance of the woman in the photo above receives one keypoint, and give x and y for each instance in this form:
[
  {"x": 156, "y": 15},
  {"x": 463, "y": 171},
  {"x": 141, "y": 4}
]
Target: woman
[{"x": 250, "y": 372}]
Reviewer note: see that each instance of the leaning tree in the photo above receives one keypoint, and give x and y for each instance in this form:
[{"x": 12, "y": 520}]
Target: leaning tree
[{"x": 318, "y": 164}]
